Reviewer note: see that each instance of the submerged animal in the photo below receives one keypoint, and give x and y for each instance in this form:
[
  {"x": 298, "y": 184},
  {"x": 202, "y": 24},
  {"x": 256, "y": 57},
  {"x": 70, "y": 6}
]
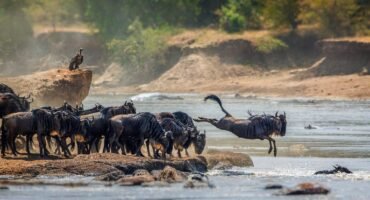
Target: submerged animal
[
  {"x": 256, "y": 127},
  {"x": 337, "y": 169}
]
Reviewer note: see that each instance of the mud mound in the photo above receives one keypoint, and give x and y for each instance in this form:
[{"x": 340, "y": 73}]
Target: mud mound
[
  {"x": 196, "y": 69},
  {"x": 95, "y": 165},
  {"x": 341, "y": 57},
  {"x": 53, "y": 87}
]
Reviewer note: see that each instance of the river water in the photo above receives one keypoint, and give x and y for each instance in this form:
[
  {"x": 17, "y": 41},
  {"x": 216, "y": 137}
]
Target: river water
[{"x": 342, "y": 136}]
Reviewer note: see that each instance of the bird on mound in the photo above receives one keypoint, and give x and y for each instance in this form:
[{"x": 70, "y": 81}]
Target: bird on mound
[{"x": 76, "y": 61}]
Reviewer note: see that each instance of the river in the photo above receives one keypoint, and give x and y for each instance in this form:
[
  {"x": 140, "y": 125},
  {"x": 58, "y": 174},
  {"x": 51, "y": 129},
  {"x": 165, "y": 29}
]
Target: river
[{"x": 342, "y": 136}]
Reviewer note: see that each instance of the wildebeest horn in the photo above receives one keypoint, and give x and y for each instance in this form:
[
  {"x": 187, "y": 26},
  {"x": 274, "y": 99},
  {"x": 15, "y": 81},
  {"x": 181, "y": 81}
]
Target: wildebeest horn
[
  {"x": 31, "y": 100},
  {"x": 284, "y": 114},
  {"x": 276, "y": 114},
  {"x": 125, "y": 103},
  {"x": 249, "y": 113},
  {"x": 29, "y": 96}
]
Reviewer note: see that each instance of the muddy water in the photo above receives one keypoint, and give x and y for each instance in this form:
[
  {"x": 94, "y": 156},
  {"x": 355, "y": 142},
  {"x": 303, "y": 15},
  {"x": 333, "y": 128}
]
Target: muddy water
[{"x": 342, "y": 137}]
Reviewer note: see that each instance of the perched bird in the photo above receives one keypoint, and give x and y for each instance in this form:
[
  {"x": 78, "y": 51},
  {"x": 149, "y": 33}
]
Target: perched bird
[{"x": 76, "y": 60}]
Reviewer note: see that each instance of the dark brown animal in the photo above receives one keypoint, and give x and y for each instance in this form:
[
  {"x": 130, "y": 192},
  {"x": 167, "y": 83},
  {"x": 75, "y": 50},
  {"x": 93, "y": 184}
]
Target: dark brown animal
[
  {"x": 257, "y": 127},
  {"x": 76, "y": 61}
]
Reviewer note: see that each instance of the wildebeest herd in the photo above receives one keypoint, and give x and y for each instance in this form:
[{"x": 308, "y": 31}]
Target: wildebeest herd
[{"x": 119, "y": 128}]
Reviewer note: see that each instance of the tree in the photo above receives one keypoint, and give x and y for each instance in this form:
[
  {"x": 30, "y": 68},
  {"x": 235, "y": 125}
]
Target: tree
[
  {"x": 282, "y": 13},
  {"x": 340, "y": 17},
  {"x": 16, "y": 29},
  {"x": 237, "y": 15}
]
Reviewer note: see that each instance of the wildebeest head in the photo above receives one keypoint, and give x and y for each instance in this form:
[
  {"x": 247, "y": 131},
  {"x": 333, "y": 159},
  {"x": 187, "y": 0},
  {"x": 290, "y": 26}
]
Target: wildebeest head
[
  {"x": 25, "y": 102},
  {"x": 167, "y": 141},
  {"x": 83, "y": 134},
  {"x": 130, "y": 106},
  {"x": 58, "y": 126},
  {"x": 199, "y": 143},
  {"x": 282, "y": 118},
  {"x": 338, "y": 169}
]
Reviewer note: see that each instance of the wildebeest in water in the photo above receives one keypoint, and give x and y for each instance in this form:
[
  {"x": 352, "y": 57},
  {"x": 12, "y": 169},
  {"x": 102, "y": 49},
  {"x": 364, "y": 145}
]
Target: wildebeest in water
[{"x": 256, "y": 127}]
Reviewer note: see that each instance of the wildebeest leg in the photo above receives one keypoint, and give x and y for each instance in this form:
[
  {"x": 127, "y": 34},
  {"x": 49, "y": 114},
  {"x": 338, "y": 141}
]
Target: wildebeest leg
[
  {"x": 138, "y": 148},
  {"x": 63, "y": 144},
  {"x": 273, "y": 142},
  {"x": 28, "y": 141},
  {"x": 179, "y": 153},
  {"x": 187, "y": 153},
  {"x": 163, "y": 155},
  {"x": 41, "y": 145},
  {"x": 270, "y": 149},
  {"x": 96, "y": 142},
  {"x": 275, "y": 150},
  {"x": 11, "y": 142},
  {"x": 147, "y": 143}
]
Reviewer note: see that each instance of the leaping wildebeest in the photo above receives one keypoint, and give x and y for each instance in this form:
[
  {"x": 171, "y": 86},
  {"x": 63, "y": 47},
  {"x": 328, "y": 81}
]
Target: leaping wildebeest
[{"x": 256, "y": 127}]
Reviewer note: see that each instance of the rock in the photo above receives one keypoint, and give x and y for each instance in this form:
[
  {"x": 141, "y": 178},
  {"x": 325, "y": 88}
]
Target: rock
[
  {"x": 306, "y": 189},
  {"x": 112, "y": 176},
  {"x": 215, "y": 157},
  {"x": 170, "y": 175},
  {"x": 53, "y": 87},
  {"x": 198, "y": 181},
  {"x": 141, "y": 172},
  {"x": 135, "y": 180},
  {"x": 222, "y": 166},
  {"x": 273, "y": 187}
]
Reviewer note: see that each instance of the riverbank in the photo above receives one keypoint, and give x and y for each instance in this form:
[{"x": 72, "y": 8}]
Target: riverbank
[
  {"x": 104, "y": 164},
  {"x": 265, "y": 84}
]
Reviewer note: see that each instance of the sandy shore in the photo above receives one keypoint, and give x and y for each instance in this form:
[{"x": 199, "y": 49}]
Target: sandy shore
[{"x": 270, "y": 84}]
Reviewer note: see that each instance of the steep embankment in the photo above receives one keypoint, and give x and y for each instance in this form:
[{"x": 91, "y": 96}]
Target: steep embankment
[
  {"x": 256, "y": 63},
  {"x": 53, "y": 87},
  {"x": 342, "y": 56}
]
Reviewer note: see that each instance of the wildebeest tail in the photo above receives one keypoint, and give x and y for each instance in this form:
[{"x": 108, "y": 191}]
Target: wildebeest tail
[{"x": 218, "y": 100}]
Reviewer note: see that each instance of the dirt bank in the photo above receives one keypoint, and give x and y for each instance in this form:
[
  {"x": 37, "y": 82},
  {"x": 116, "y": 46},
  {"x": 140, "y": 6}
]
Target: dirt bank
[
  {"x": 100, "y": 164},
  {"x": 340, "y": 71},
  {"x": 53, "y": 87}
]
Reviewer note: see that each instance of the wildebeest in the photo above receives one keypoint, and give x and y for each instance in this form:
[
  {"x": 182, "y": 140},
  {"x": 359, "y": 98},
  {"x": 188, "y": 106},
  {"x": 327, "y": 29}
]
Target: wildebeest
[
  {"x": 48, "y": 123},
  {"x": 11, "y": 103},
  {"x": 140, "y": 127},
  {"x": 76, "y": 61},
  {"x": 337, "y": 169},
  {"x": 196, "y": 138},
  {"x": 256, "y": 127},
  {"x": 97, "y": 108},
  {"x": 98, "y": 123},
  {"x": 20, "y": 123},
  {"x": 180, "y": 134},
  {"x": 6, "y": 89}
]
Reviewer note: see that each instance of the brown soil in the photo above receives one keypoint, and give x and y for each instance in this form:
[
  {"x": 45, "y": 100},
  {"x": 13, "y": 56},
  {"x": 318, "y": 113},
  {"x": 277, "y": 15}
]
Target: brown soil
[
  {"x": 252, "y": 82},
  {"x": 100, "y": 164},
  {"x": 53, "y": 87}
]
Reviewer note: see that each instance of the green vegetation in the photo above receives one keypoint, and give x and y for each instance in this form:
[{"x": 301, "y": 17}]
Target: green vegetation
[
  {"x": 16, "y": 31},
  {"x": 269, "y": 44},
  {"x": 142, "y": 47},
  {"x": 135, "y": 31}
]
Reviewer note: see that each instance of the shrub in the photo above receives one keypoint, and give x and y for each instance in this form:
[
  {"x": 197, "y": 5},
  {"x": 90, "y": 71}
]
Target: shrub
[
  {"x": 142, "y": 47},
  {"x": 269, "y": 44}
]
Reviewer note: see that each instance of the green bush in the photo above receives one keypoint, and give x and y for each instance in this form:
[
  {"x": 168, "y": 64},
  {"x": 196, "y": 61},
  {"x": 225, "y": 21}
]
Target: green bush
[
  {"x": 269, "y": 44},
  {"x": 16, "y": 31},
  {"x": 231, "y": 20},
  {"x": 142, "y": 47}
]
